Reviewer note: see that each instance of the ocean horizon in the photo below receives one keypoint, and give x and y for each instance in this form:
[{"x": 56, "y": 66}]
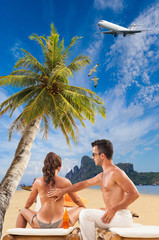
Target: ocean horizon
[
  {"x": 143, "y": 189},
  {"x": 148, "y": 189}
]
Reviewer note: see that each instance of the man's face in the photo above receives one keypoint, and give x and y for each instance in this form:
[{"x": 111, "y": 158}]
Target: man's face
[{"x": 96, "y": 156}]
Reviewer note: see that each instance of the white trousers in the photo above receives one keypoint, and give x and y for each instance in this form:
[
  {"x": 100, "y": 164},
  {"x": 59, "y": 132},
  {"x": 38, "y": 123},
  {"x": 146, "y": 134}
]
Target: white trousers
[{"x": 89, "y": 219}]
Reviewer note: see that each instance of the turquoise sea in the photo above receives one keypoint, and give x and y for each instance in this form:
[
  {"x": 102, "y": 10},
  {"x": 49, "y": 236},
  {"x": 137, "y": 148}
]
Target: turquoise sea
[
  {"x": 143, "y": 189},
  {"x": 149, "y": 189}
]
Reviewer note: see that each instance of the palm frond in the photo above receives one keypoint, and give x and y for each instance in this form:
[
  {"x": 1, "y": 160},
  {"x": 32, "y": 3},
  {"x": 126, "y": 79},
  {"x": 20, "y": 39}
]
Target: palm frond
[
  {"x": 30, "y": 62},
  {"x": 74, "y": 40},
  {"x": 52, "y": 108},
  {"x": 25, "y": 72},
  {"x": 19, "y": 81},
  {"x": 17, "y": 99},
  {"x": 84, "y": 104},
  {"x": 70, "y": 125},
  {"x": 17, "y": 125},
  {"x": 74, "y": 112},
  {"x": 66, "y": 131},
  {"x": 85, "y": 91},
  {"x": 78, "y": 63},
  {"x": 53, "y": 29},
  {"x": 21, "y": 100},
  {"x": 35, "y": 107},
  {"x": 45, "y": 125},
  {"x": 63, "y": 130},
  {"x": 60, "y": 72},
  {"x": 40, "y": 41}
]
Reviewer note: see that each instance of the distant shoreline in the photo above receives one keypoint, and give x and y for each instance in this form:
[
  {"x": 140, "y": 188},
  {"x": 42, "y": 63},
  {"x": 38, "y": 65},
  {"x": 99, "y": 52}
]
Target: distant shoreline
[{"x": 143, "y": 189}]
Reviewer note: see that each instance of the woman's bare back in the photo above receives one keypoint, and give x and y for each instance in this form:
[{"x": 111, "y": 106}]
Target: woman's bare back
[{"x": 50, "y": 210}]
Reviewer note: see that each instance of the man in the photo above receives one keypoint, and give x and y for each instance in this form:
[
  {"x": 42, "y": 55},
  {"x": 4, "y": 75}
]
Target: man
[{"x": 117, "y": 189}]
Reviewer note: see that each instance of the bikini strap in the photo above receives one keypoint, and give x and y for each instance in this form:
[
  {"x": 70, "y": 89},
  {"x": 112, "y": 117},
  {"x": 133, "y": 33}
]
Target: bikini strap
[{"x": 32, "y": 218}]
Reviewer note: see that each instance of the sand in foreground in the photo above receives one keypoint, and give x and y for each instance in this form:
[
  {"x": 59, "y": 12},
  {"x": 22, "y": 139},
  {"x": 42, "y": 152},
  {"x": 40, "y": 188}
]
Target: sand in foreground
[{"x": 147, "y": 207}]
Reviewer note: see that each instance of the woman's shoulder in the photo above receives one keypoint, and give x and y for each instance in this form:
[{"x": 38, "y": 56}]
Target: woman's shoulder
[
  {"x": 65, "y": 181},
  {"x": 39, "y": 180}
]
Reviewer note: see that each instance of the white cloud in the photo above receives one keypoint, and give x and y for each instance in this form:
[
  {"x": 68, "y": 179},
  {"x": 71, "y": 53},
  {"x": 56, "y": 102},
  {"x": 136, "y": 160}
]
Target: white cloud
[
  {"x": 115, "y": 5},
  {"x": 4, "y": 95},
  {"x": 67, "y": 165},
  {"x": 16, "y": 50},
  {"x": 127, "y": 127},
  {"x": 149, "y": 95},
  {"x": 147, "y": 149},
  {"x": 95, "y": 46},
  {"x": 133, "y": 55},
  {"x": 34, "y": 169}
]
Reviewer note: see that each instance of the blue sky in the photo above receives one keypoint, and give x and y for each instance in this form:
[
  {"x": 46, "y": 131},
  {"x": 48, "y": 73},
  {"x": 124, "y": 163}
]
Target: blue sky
[{"x": 128, "y": 77}]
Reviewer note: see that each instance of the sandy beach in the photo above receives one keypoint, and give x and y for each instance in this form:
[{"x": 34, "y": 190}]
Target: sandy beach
[{"x": 147, "y": 207}]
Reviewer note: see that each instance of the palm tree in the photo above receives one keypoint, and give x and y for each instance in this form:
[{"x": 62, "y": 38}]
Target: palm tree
[{"x": 45, "y": 96}]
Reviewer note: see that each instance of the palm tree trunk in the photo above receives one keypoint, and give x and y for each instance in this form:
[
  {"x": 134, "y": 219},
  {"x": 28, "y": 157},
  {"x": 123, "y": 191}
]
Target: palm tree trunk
[{"x": 14, "y": 174}]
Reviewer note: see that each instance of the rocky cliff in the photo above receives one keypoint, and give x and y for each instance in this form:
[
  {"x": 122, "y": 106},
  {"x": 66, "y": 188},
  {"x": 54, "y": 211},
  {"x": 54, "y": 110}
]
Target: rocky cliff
[{"x": 88, "y": 169}]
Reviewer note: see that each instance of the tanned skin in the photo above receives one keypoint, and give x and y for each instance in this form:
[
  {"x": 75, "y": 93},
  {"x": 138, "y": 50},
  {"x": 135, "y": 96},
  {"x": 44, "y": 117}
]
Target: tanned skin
[
  {"x": 51, "y": 210},
  {"x": 117, "y": 189}
]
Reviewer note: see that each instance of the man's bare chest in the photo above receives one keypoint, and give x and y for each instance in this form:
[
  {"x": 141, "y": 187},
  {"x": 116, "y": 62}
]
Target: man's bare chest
[{"x": 107, "y": 182}]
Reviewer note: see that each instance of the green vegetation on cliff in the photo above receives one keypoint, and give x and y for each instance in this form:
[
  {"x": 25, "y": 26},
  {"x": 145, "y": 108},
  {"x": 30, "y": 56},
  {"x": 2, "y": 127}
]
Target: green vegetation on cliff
[{"x": 88, "y": 169}]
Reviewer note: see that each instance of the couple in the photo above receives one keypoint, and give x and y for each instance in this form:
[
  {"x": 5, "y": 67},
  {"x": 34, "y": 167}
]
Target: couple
[{"x": 117, "y": 189}]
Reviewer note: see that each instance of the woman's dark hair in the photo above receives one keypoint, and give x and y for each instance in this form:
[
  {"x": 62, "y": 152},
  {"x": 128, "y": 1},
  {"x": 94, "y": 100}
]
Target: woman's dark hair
[
  {"x": 104, "y": 146},
  {"x": 51, "y": 163}
]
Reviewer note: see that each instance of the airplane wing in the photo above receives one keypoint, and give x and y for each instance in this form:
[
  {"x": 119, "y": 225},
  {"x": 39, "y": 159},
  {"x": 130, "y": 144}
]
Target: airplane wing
[
  {"x": 123, "y": 32},
  {"x": 131, "y": 32},
  {"x": 109, "y": 32}
]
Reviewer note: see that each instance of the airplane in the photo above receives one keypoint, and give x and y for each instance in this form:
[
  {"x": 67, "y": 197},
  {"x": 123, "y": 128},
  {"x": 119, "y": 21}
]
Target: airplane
[
  {"x": 116, "y": 29},
  {"x": 93, "y": 69},
  {"x": 95, "y": 79}
]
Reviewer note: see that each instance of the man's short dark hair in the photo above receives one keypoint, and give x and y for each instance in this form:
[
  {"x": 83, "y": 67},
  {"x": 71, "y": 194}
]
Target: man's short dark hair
[{"x": 104, "y": 146}]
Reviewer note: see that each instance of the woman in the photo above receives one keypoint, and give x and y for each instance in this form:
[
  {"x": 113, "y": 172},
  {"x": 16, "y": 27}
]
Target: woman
[{"x": 50, "y": 215}]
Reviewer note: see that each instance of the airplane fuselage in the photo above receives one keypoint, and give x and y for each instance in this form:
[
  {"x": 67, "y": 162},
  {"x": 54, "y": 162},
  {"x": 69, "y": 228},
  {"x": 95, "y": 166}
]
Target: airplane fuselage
[
  {"x": 116, "y": 29},
  {"x": 111, "y": 26}
]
